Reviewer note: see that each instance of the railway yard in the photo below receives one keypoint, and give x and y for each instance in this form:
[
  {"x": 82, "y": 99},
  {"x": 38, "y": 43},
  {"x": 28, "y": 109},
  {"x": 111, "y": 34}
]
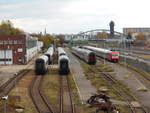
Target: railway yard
[{"x": 76, "y": 80}]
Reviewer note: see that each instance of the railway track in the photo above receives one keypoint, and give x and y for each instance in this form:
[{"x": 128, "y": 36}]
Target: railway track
[
  {"x": 11, "y": 83},
  {"x": 121, "y": 92},
  {"x": 66, "y": 103},
  {"x": 39, "y": 99},
  {"x": 141, "y": 73}
]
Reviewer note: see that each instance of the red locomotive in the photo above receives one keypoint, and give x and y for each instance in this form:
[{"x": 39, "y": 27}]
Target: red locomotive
[{"x": 112, "y": 56}]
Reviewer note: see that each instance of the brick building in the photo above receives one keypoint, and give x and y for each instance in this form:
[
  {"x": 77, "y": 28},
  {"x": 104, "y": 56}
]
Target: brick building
[{"x": 17, "y": 49}]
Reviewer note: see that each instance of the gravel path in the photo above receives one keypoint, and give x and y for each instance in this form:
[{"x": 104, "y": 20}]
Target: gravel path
[
  {"x": 8, "y": 71},
  {"x": 85, "y": 88}
]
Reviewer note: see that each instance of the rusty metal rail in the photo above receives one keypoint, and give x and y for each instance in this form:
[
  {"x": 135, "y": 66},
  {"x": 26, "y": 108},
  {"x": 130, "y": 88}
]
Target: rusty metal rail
[
  {"x": 121, "y": 92},
  {"x": 37, "y": 96},
  {"x": 66, "y": 103},
  {"x": 11, "y": 83}
]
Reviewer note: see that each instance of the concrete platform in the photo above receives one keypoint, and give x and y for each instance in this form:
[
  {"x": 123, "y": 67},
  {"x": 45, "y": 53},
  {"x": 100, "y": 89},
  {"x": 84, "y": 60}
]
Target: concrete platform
[
  {"x": 8, "y": 71},
  {"x": 84, "y": 86}
]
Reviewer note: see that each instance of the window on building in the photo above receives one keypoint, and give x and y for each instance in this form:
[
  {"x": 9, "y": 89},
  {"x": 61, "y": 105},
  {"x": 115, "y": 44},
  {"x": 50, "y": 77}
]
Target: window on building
[
  {"x": 10, "y": 42},
  {"x": 20, "y": 42},
  {"x": 6, "y": 42},
  {"x": 1, "y": 41},
  {"x": 5, "y": 59},
  {"x": 15, "y": 41}
]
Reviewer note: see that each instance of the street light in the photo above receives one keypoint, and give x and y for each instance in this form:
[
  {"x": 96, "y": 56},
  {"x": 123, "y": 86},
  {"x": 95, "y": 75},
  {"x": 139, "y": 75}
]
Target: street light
[{"x": 5, "y": 98}]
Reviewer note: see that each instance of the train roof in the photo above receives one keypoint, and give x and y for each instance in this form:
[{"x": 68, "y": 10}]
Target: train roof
[
  {"x": 50, "y": 51},
  {"x": 63, "y": 57},
  {"x": 43, "y": 57},
  {"x": 82, "y": 50},
  {"x": 97, "y": 49},
  {"x": 61, "y": 51}
]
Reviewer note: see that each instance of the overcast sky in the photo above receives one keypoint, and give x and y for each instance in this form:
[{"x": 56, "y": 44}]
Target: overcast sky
[{"x": 73, "y": 16}]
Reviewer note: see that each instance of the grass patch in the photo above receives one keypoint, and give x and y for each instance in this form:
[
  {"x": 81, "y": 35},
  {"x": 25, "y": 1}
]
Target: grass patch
[
  {"x": 128, "y": 76},
  {"x": 74, "y": 91},
  {"x": 105, "y": 68},
  {"x": 55, "y": 58},
  {"x": 122, "y": 109},
  {"x": 51, "y": 87},
  {"x": 143, "y": 89},
  {"x": 19, "y": 95}
]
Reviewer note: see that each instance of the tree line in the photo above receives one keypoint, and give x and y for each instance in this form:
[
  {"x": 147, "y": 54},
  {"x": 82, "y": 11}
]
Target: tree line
[
  {"x": 49, "y": 39},
  {"x": 7, "y": 28},
  {"x": 138, "y": 37}
]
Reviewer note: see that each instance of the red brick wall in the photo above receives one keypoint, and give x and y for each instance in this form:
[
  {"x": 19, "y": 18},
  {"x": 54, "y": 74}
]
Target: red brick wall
[{"x": 15, "y": 43}]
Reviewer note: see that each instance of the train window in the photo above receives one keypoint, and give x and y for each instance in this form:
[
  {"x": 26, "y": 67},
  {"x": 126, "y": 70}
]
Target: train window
[
  {"x": 39, "y": 65},
  {"x": 1, "y": 42},
  {"x": 92, "y": 56},
  {"x": 64, "y": 65},
  {"x": 62, "y": 54}
]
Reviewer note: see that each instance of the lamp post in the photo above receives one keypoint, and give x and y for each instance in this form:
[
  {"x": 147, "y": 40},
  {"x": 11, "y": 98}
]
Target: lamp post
[{"x": 5, "y": 98}]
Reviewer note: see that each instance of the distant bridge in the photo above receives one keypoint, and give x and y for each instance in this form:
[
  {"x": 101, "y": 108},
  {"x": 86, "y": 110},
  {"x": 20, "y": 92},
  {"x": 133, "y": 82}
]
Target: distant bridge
[
  {"x": 101, "y": 30},
  {"x": 91, "y": 34}
]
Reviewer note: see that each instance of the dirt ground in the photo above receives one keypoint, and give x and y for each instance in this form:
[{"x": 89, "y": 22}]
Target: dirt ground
[
  {"x": 21, "y": 91},
  {"x": 8, "y": 71}
]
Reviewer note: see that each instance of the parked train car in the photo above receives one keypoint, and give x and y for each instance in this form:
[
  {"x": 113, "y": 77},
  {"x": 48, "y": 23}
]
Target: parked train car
[
  {"x": 41, "y": 65},
  {"x": 61, "y": 51},
  {"x": 63, "y": 62},
  {"x": 112, "y": 56},
  {"x": 49, "y": 53},
  {"x": 85, "y": 54}
]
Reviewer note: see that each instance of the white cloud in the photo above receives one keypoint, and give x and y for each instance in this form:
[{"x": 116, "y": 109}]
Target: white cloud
[
  {"x": 30, "y": 24},
  {"x": 76, "y": 15}
]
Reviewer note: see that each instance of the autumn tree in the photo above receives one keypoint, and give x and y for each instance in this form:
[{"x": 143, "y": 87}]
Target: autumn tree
[
  {"x": 47, "y": 40},
  {"x": 6, "y": 28},
  {"x": 61, "y": 39},
  {"x": 102, "y": 35},
  {"x": 130, "y": 32},
  {"x": 140, "y": 37}
]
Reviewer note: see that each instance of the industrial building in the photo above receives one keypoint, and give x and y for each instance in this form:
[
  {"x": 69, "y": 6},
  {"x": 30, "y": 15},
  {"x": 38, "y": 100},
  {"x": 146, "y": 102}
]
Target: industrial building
[
  {"x": 18, "y": 49},
  {"x": 136, "y": 30}
]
